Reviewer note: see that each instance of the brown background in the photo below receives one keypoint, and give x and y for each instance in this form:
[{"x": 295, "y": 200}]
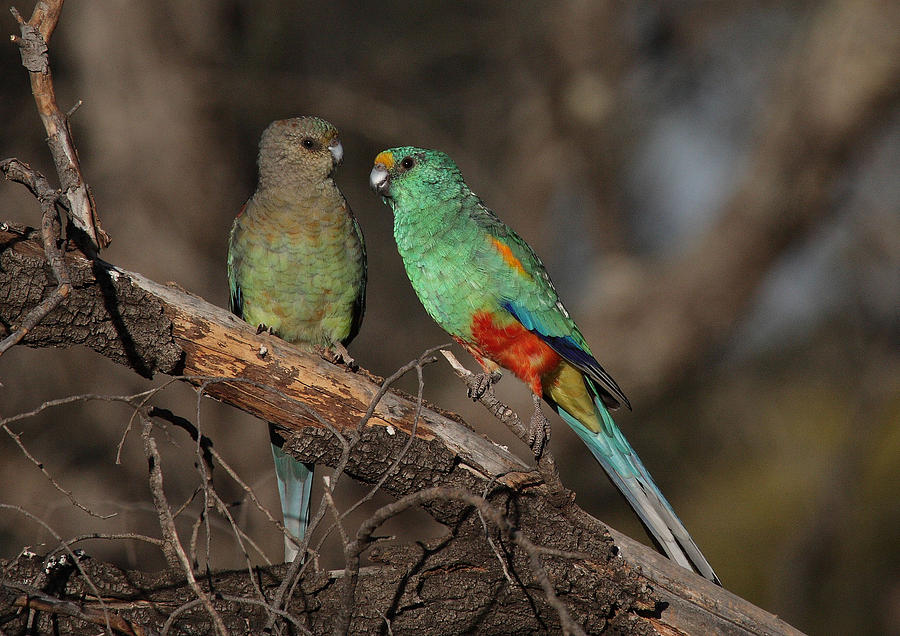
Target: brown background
[{"x": 616, "y": 138}]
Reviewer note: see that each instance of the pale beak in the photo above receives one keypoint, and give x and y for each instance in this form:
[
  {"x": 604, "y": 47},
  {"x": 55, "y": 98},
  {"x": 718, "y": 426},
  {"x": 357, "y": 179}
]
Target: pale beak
[
  {"x": 380, "y": 179},
  {"x": 337, "y": 151}
]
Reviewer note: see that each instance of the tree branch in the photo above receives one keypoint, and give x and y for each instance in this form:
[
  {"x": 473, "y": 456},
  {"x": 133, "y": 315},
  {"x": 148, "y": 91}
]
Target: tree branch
[
  {"x": 50, "y": 233},
  {"x": 154, "y": 328},
  {"x": 32, "y": 43}
]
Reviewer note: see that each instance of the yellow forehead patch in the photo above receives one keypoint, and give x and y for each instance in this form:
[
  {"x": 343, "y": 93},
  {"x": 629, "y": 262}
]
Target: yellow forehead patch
[
  {"x": 509, "y": 257},
  {"x": 386, "y": 159}
]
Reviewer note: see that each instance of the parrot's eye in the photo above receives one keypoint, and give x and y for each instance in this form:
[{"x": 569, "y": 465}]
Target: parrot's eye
[
  {"x": 407, "y": 163},
  {"x": 308, "y": 143}
]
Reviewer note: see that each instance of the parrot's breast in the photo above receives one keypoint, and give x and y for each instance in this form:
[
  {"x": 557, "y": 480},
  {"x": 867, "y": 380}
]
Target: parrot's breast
[{"x": 300, "y": 271}]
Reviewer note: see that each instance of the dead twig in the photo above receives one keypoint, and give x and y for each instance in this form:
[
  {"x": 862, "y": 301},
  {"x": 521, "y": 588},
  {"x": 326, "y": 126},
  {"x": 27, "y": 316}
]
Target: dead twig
[
  {"x": 291, "y": 577},
  {"x": 368, "y": 527},
  {"x": 53, "y": 605},
  {"x": 427, "y": 357},
  {"x": 174, "y": 551},
  {"x": 4, "y": 424},
  {"x": 109, "y": 537},
  {"x": 33, "y": 46},
  {"x": 50, "y": 235},
  {"x": 546, "y": 464},
  {"x": 71, "y": 554}
]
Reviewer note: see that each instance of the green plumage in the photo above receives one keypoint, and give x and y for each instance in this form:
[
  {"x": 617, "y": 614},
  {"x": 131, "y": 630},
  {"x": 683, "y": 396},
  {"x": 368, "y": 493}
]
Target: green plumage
[
  {"x": 485, "y": 286},
  {"x": 296, "y": 260},
  {"x": 444, "y": 233},
  {"x": 297, "y": 265}
]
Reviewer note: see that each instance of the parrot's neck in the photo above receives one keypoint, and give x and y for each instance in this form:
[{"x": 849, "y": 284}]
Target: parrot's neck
[
  {"x": 422, "y": 216},
  {"x": 293, "y": 181},
  {"x": 282, "y": 197},
  {"x": 417, "y": 227}
]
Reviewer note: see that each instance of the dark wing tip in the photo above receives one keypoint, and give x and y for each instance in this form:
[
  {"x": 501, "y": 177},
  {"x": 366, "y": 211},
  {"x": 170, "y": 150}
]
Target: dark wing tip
[
  {"x": 610, "y": 393},
  {"x": 236, "y": 303}
]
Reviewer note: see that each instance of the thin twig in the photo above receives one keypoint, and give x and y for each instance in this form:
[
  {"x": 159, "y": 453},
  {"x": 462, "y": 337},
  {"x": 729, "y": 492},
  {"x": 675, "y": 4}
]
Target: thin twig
[
  {"x": 139, "y": 404},
  {"x": 110, "y": 537},
  {"x": 292, "y": 576},
  {"x": 546, "y": 464},
  {"x": 178, "y": 611},
  {"x": 33, "y": 46},
  {"x": 205, "y": 479},
  {"x": 426, "y": 358},
  {"x": 368, "y": 527},
  {"x": 53, "y": 605},
  {"x": 50, "y": 235},
  {"x": 75, "y": 560},
  {"x": 205, "y": 453},
  {"x": 249, "y": 491},
  {"x": 269, "y": 608},
  {"x": 175, "y": 553},
  {"x": 4, "y": 424}
]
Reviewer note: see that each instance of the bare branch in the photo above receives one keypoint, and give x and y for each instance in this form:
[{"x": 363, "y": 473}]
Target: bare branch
[
  {"x": 52, "y": 605},
  {"x": 33, "y": 43},
  {"x": 4, "y": 424},
  {"x": 364, "y": 536},
  {"x": 546, "y": 464},
  {"x": 50, "y": 233},
  {"x": 319, "y": 406},
  {"x": 74, "y": 558},
  {"x": 174, "y": 551}
]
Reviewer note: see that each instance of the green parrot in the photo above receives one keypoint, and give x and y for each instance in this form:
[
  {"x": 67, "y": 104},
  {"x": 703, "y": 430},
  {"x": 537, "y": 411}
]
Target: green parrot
[
  {"x": 297, "y": 267},
  {"x": 486, "y": 287}
]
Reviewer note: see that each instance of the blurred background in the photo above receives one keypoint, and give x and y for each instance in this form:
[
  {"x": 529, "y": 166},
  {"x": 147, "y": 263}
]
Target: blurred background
[{"x": 712, "y": 185}]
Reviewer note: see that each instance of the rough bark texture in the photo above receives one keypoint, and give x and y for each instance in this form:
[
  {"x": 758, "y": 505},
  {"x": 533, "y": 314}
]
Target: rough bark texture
[{"x": 451, "y": 585}]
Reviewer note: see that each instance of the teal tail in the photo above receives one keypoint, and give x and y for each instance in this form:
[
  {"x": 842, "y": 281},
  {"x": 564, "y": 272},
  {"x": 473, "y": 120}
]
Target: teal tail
[
  {"x": 294, "y": 483},
  {"x": 626, "y": 471}
]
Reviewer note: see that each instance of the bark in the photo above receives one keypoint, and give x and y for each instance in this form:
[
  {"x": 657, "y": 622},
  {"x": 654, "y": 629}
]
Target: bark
[{"x": 454, "y": 584}]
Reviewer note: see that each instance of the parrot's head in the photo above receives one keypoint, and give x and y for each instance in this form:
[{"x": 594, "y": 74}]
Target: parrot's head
[
  {"x": 307, "y": 147},
  {"x": 413, "y": 175}
]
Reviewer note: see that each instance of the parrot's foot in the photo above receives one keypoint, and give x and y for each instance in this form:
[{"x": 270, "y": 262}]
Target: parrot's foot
[
  {"x": 479, "y": 383},
  {"x": 538, "y": 430},
  {"x": 337, "y": 354},
  {"x": 261, "y": 327}
]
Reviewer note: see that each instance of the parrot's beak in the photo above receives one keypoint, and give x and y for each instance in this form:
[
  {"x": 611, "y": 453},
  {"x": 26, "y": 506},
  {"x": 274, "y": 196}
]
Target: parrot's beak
[
  {"x": 380, "y": 180},
  {"x": 337, "y": 151}
]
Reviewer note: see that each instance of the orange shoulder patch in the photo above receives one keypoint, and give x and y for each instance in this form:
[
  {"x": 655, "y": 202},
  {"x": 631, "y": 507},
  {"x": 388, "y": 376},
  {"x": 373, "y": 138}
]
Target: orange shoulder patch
[{"x": 508, "y": 257}]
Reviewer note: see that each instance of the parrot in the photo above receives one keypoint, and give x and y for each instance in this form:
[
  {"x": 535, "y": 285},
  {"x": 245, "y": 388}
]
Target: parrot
[
  {"x": 297, "y": 268},
  {"x": 486, "y": 287}
]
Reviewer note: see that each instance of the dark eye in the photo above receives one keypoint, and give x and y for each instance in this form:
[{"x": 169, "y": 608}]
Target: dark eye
[
  {"x": 407, "y": 163},
  {"x": 308, "y": 143}
]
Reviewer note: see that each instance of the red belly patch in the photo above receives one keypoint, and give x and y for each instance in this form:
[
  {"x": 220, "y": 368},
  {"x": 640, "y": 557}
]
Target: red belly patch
[{"x": 514, "y": 347}]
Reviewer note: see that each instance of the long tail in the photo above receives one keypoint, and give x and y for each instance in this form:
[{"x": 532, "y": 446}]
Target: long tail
[
  {"x": 294, "y": 483},
  {"x": 626, "y": 471}
]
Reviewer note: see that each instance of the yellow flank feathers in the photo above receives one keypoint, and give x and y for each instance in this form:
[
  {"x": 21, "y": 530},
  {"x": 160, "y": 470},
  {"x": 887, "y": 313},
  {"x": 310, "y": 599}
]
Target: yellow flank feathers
[
  {"x": 566, "y": 387},
  {"x": 386, "y": 159}
]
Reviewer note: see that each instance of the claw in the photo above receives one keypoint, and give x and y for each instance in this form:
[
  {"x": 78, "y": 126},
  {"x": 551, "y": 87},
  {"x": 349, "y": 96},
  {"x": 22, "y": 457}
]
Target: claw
[
  {"x": 539, "y": 429},
  {"x": 261, "y": 327},
  {"x": 479, "y": 383},
  {"x": 337, "y": 354}
]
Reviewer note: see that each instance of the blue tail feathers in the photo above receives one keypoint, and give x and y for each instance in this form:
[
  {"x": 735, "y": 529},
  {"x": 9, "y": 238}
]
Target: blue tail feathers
[
  {"x": 627, "y": 472},
  {"x": 294, "y": 484}
]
